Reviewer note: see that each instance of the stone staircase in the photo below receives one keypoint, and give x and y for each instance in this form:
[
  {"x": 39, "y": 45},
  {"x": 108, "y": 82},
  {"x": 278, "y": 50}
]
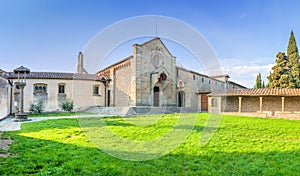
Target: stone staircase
[{"x": 127, "y": 111}]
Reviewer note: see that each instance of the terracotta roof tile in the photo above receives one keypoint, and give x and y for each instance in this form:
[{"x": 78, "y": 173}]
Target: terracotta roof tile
[
  {"x": 258, "y": 92},
  {"x": 58, "y": 75}
]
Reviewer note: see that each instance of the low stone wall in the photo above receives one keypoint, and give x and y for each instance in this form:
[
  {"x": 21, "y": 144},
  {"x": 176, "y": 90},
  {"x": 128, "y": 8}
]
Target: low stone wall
[
  {"x": 268, "y": 114},
  {"x": 138, "y": 110}
]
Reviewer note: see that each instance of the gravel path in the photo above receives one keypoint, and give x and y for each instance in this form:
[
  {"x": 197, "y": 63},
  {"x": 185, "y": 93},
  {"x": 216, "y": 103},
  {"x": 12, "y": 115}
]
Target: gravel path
[{"x": 9, "y": 125}]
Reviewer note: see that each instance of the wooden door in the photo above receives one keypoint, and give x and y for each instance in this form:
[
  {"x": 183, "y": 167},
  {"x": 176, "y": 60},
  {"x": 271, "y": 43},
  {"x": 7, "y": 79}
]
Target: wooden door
[{"x": 204, "y": 102}]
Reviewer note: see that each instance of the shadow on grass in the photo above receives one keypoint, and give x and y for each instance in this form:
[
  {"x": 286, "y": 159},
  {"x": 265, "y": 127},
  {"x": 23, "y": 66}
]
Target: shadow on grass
[{"x": 45, "y": 157}]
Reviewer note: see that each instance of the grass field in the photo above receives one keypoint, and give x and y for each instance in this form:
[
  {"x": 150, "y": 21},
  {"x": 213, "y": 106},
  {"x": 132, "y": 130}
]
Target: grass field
[{"x": 241, "y": 146}]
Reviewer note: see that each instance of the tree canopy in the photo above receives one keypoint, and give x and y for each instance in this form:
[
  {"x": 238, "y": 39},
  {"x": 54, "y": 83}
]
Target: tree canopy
[{"x": 286, "y": 72}]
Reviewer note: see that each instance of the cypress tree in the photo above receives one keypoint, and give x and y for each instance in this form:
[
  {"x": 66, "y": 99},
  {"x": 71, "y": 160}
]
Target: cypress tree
[
  {"x": 258, "y": 83},
  {"x": 293, "y": 64},
  {"x": 279, "y": 76}
]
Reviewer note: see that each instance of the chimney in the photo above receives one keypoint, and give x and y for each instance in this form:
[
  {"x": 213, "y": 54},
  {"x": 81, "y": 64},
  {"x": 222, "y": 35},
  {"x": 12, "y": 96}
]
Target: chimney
[{"x": 80, "y": 63}]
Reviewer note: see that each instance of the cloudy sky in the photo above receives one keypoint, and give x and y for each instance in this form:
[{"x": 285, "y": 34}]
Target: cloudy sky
[{"x": 46, "y": 35}]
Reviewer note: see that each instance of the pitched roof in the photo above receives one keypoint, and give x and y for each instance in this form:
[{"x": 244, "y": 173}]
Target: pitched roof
[
  {"x": 157, "y": 38},
  {"x": 58, "y": 75},
  {"x": 257, "y": 92},
  {"x": 115, "y": 64}
]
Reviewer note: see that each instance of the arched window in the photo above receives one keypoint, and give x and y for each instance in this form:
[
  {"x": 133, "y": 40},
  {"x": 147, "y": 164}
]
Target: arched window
[
  {"x": 96, "y": 90},
  {"x": 214, "y": 102},
  {"x": 40, "y": 88},
  {"x": 40, "y": 92}
]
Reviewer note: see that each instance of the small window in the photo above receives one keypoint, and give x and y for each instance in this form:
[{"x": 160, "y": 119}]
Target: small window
[
  {"x": 202, "y": 79},
  {"x": 215, "y": 83},
  {"x": 96, "y": 90},
  {"x": 61, "y": 88},
  {"x": 208, "y": 81},
  {"x": 194, "y": 77},
  {"x": 214, "y": 102}
]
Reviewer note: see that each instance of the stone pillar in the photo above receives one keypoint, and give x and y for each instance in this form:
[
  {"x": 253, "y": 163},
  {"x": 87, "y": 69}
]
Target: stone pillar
[
  {"x": 282, "y": 104},
  {"x": 219, "y": 105},
  {"x": 21, "y": 100},
  {"x": 240, "y": 104},
  {"x": 200, "y": 103},
  {"x": 260, "y": 104}
]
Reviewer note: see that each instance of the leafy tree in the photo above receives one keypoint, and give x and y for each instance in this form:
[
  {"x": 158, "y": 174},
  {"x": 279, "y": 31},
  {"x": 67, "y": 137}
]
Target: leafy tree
[
  {"x": 258, "y": 83},
  {"x": 293, "y": 64},
  {"x": 263, "y": 85},
  {"x": 279, "y": 75}
]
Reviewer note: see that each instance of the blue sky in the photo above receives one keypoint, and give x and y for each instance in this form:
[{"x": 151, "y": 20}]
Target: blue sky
[{"x": 46, "y": 35}]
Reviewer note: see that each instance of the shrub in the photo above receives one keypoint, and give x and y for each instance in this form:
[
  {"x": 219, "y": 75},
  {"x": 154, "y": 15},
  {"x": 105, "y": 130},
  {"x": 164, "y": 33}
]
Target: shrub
[
  {"x": 37, "y": 107},
  {"x": 67, "y": 105}
]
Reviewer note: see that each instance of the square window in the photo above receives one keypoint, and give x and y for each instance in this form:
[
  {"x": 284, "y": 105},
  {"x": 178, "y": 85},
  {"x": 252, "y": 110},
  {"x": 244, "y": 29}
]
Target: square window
[
  {"x": 61, "y": 89},
  {"x": 96, "y": 90}
]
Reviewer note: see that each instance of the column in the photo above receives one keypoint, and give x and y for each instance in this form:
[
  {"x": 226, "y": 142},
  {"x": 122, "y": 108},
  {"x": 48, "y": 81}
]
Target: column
[
  {"x": 21, "y": 101},
  {"x": 260, "y": 104},
  {"x": 200, "y": 103},
  {"x": 282, "y": 104},
  {"x": 240, "y": 104}
]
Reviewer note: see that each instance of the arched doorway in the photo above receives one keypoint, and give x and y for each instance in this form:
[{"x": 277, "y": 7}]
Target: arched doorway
[
  {"x": 181, "y": 99},
  {"x": 156, "y": 96}
]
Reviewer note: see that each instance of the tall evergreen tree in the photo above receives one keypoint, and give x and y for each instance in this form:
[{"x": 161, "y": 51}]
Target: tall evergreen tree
[
  {"x": 293, "y": 64},
  {"x": 258, "y": 83},
  {"x": 279, "y": 76},
  {"x": 263, "y": 85}
]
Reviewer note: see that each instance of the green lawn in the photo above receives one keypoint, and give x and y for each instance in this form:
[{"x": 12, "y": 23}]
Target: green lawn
[{"x": 241, "y": 146}]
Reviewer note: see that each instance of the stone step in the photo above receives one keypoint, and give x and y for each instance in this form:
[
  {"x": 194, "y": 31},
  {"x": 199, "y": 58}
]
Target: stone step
[{"x": 126, "y": 111}]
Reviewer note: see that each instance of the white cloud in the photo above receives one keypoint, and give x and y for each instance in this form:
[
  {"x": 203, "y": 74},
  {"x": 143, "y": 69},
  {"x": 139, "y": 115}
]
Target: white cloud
[{"x": 244, "y": 72}]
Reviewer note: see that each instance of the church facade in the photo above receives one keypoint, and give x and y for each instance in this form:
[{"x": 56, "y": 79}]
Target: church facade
[{"x": 149, "y": 77}]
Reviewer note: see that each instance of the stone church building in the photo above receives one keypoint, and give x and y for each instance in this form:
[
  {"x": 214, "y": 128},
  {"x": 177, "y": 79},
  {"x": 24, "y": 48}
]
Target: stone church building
[{"x": 149, "y": 77}]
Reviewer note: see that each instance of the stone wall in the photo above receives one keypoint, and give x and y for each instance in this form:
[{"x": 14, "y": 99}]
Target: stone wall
[
  {"x": 270, "y": 104},
  {"x": 291, "y": 104},
  {"x": 193, "y": 82},
  {"x": 4, "y": 98},
  {"x": 123, "y": 81},
  {"x": 152, "y": 60},
  {"x": 231, "y": 104},
  {"x": 80, "y": 91},
  {"x": 250, "y": 104}
]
